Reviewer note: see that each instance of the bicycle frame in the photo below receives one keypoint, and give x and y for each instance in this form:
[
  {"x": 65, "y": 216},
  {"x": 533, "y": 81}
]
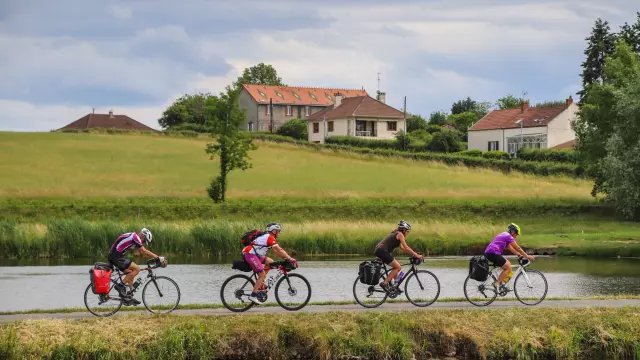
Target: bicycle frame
[
  {"x": 520, "y": 269},
  {"x": 412, "y": 270},
  {"x": 117, "y": 276},
  {"x": 270, "y": 282}
]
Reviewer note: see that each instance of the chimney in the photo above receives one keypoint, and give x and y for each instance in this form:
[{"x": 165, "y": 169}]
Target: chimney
[
  {"x": 524, "y": 106},
  {"x": 569, "y": 101},
  {"x": 338, "y": 96},
  {"x": 111, "y": 114},
  {"x": 382, "y": 97}
]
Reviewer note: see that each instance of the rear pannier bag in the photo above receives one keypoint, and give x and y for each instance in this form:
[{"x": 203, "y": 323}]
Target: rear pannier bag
[
  {"x": 479, "y": 268},
  {"x": 241, "y": 265},
  {"x": 100, "y": 280},
  {"x": 369, "y": 272}
]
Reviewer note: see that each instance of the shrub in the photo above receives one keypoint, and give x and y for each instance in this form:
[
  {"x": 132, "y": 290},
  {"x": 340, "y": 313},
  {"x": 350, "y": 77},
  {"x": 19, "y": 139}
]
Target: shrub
[
  {"x": 190, "y": 127},
  {"x": 560, "y": 155},
  {"x": 296, "y": 129},
  {"x": 497, "y": 155},
  {"x": 473, "y": 153},
  {"x": 444, "y": 141},
  {"x": 362, "y": 142}
]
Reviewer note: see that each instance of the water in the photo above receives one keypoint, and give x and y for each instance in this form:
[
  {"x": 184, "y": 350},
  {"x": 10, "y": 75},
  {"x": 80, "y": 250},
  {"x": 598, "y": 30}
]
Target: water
[{"x": 56, "y": 284}]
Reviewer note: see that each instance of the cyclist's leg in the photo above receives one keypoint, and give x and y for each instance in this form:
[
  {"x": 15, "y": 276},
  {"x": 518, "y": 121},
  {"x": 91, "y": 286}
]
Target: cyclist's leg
[
  {"x": 502, "y": 262},
  {"x": 256, "y": 264},
  {"x": 266, "y": 261},
  {"x": 134, "y": 270},
  {"x": 396, "y": 270}
]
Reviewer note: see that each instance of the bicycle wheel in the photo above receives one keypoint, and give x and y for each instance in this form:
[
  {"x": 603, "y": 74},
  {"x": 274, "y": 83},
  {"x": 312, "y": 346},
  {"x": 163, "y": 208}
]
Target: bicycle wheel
[
  {"x": 295, "y": 285},
  {"x": 535, "y": 288},
  {"x": 240, "y": 288},
  {"x": 165, "y": 290},
  {"x": 428, "y": 285},
  {"x": 371, "y": 295},
  {"x": 479, "y": 293},
  {"x": 111, "y": 302}
]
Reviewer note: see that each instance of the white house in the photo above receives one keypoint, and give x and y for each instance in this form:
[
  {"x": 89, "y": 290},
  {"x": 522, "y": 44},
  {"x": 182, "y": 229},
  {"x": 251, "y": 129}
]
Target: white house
[
  {"x": 361, "y": 116},
  {"x": 528, "y": 127}
]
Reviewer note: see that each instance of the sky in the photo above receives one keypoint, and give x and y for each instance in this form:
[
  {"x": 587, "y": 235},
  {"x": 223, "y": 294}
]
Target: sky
[{"x": 62, "y": 59}]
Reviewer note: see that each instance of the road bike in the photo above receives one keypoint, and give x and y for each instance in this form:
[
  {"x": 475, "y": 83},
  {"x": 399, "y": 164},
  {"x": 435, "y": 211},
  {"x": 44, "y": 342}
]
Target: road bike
[
  {"x": 235, "y": 291},
  {"x": 371, "y": 296},
  {"x": 525, "y": 281},
  {"x": 162, "y": 288}
]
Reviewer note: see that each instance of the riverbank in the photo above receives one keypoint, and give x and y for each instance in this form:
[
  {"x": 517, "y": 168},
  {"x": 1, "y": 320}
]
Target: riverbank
[{"x": 543, "y": 333}]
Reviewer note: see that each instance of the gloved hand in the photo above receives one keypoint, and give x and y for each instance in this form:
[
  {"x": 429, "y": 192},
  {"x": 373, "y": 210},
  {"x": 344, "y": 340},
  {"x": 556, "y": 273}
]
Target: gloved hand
[
  {"x": 161, "y": 261},
  {"x": 293, "y": 261}
]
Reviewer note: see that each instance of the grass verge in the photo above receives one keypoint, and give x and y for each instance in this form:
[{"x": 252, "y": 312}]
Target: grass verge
[{"x": 544, "y": 333}]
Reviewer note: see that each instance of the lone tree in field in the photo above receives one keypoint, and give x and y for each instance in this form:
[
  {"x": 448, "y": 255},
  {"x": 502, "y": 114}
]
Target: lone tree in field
[
  {"x": 188, "y": 109},
  {"x": 232, "y": 146}
]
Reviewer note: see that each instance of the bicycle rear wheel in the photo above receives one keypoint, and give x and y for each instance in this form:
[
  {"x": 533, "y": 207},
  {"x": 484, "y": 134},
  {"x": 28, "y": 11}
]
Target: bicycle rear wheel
[
  {"x": 369, "y": 296},
  {"x": 479, "y": 293},
  {"x": 294, "y": 286},
  {"x": 425, "y": 288},
  {"x": 102, "y": 305},
  {"x": 163, "y": 295},
  {"x": 235, "y": 292},
  {"x": 533, "y": 287}
]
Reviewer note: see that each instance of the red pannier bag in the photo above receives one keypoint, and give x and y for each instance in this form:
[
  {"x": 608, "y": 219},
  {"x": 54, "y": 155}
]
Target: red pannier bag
[{"x": 100, "y": 277}]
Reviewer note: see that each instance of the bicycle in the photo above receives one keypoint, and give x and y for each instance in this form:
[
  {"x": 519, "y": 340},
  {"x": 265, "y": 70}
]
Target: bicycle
[
  {"x": 114, "y": 300},
  {"x": 244, "y": 287},
  {"x": 488, "y": 290},
  {"x": 372, "y": 290}
]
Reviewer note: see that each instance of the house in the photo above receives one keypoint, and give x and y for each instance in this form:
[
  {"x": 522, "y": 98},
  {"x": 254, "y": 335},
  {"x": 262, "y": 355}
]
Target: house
[
  {"x": 529, "y": 127},
  {"x": 288, "y": 102},
  {"x": 109, "y": 120},
  {"x": 356, "y": 116}
]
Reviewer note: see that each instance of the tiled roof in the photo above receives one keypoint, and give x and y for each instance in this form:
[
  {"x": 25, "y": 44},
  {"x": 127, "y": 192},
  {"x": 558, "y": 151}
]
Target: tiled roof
[
  {"x": 567, "y": 145},
  {"x": 506, "y": 119},
  {"x": 292, "y": 95},
  {"x": 364, "y": 106},
  {"x": 107, "y": 121}
]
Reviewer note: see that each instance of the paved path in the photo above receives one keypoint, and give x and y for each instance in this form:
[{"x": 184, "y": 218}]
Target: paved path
[{"x": 497, "y": 305}]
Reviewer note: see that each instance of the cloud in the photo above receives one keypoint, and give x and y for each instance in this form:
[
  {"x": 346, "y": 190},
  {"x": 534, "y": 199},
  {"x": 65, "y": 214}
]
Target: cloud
[{"x": 122, "y": 12}]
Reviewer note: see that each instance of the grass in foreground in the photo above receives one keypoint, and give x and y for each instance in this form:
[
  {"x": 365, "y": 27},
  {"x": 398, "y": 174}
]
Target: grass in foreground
[
  {"x": 95, "y": 165},
  {"x": 543, "y": 333}
]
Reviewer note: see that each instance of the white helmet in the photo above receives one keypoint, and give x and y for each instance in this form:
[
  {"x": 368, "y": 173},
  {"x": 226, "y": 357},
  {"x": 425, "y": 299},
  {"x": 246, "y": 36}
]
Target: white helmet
[
  {"x": 404, "y": 225},
  {"x": 146, "y": 234},
  {"x": 273, "y": 226}
]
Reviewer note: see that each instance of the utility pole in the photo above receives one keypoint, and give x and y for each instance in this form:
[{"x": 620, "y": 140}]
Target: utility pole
[
  {"x": 405, "y": 114},
  {"x": 271, "y": 115},
  {"x": 379, "y": 82}
]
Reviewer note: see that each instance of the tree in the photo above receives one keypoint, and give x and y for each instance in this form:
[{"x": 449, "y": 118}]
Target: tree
[
  {"x": 444, "y": 141},
  {"x": 600, "y": 44},
  {"x": 438, "y": 118},
  {"x": 463, "y": 120},
  {"x": 480, "y": 108},
  {"x": 608, "y": 131},
  {"x": 631, "y": 34},
  {"x": 402, "y": 140},
  {"x": 509, "y": 102},
  {"x": 416, "y": 122},
  {"x": 232, "y": 145},
  {"x": 188, "y": 109},
  {"x": 295, "y": 128},
  {"x": 550, "y": 103},
  {"x": 261, "y": 74}
]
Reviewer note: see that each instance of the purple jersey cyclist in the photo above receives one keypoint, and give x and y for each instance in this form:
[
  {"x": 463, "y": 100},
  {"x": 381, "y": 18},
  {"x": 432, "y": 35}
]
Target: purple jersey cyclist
[{"x": 493, "y": 252}]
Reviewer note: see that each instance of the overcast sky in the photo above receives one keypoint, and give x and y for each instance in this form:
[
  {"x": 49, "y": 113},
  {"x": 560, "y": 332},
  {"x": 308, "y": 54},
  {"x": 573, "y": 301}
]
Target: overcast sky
[{"x": 62, "y": 58}]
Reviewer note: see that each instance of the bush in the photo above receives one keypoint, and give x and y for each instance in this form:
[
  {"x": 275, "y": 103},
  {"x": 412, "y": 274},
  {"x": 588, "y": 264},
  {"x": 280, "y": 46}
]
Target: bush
[
  {"x": 473, "y": 153},
  {"x": 444, "y": 141},
  {"x": 561, "y": 155},
  {"x": 296, "y": 129},
  {"x": 190, "y": 127},
  {"x": 497, "y": 155},
  {"x": 432, "y": 129},
  {"x": 362, "y": 142}
]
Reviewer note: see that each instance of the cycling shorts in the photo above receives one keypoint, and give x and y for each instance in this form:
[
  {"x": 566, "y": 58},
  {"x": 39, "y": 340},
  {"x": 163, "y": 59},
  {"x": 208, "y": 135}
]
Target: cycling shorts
[
  {"x": 384, "y": 255},
  {"x": 496, "y": 259}
]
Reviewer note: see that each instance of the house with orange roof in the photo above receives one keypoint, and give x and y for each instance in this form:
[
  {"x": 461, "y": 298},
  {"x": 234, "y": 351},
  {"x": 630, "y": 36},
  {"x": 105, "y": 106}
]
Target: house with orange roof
[
  {"x": 529, "y": 127},
  {"x": 361, "y": 116},
  {"x": 287, "y": 103}
]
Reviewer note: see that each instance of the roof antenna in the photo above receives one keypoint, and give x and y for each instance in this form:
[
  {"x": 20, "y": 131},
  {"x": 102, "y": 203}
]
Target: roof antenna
[{"x": 379, "y": 81}]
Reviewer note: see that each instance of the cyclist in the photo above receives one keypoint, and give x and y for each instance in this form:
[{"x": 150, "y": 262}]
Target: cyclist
[
  {"x": 117, "y": 257},
  {"x": 255, "y": 254},
  {"x": 493, "y": 252},
  {"x": 385, "y": 248}
]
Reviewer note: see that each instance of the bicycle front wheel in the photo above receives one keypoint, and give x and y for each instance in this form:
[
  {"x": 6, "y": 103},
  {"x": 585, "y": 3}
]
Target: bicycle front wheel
[
  {"x": 422, "y": 288},
  {"x": 235, "y": 292},
  {"x": 480, "y": 293},
  {"x": 102, "y": 305},
  {"x": 296, "y": 292},
  {"x": 161, "y": 295},
  {"x": 369, "y": 296},
  {"x": 530, "y": 287}
]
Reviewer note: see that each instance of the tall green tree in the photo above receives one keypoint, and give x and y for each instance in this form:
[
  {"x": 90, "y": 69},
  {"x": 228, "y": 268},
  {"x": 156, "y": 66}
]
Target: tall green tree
[
  {"x": 509, "y": 102},
  {"x": 479, "y": 108},
  {"x": 438, "y": 118},
  {"x": 600, "y": 44},
  {"x": 608, "y": 131},
  {"x": 416, "y": 122},
  {"x": 232, "y": 146},
  {"x": 188, "y": 109},
  {"x": 630, "y": 34},
  {"x": 463, "y": 120},
  {"x": 260, "y": 74}
]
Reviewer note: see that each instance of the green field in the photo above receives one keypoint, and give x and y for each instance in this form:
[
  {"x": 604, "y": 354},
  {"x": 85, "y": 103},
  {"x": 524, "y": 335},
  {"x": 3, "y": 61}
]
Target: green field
[{"x": 526, "y": 333}]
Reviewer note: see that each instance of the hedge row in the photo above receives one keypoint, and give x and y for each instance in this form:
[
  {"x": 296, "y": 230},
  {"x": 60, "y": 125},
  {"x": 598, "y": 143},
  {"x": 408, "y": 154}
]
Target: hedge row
[
  {"x": 563, "y": 156},
  {"x": 362, "y": 142}
]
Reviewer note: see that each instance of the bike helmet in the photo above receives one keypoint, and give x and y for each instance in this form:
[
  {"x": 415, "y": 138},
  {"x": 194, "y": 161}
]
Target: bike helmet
[
  {"x": 273, "y": 226},
  {"x": 404, "y": 225},
  {"x": 146, "y": 234},
  {"x": 513, "y": 228}
]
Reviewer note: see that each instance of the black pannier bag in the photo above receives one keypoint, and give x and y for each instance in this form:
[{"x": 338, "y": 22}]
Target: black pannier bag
[
  {"x": 241, "y": 265},
  {"x": 479, "y": 268},
  {"x": 369, "y": 272}
]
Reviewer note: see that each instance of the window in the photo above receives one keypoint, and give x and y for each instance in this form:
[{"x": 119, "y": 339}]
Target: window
[
  {"x": 494, "y": 146},
  {"x": 330, "y": 126},
  {"x": 288, "y": 110},
  {"x": 392, "y": 125},
  {"x": 534, "y": 141},
  {"x": 307, "y": 110},
  {"x": 268, "y": 109},
  {"x": 250, "y": 126},
  {"x": 316, "y": 128}
]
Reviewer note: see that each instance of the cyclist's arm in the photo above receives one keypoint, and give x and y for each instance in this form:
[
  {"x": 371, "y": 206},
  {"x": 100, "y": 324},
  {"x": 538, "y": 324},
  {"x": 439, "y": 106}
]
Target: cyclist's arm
[
  {"x": 517, "y": 250},
  {"x": 404, "y": 246},
  {"x": 280, "y": 252},
  {"x": 142, "y": 250}
]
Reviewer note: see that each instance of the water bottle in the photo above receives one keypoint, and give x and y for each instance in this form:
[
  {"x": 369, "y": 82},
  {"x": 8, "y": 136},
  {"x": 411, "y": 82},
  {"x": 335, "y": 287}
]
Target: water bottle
[
  {"x": 509, "y": 275},
  {"x": 399, "y": 277},
  {"x": 137, "y": 283}
]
